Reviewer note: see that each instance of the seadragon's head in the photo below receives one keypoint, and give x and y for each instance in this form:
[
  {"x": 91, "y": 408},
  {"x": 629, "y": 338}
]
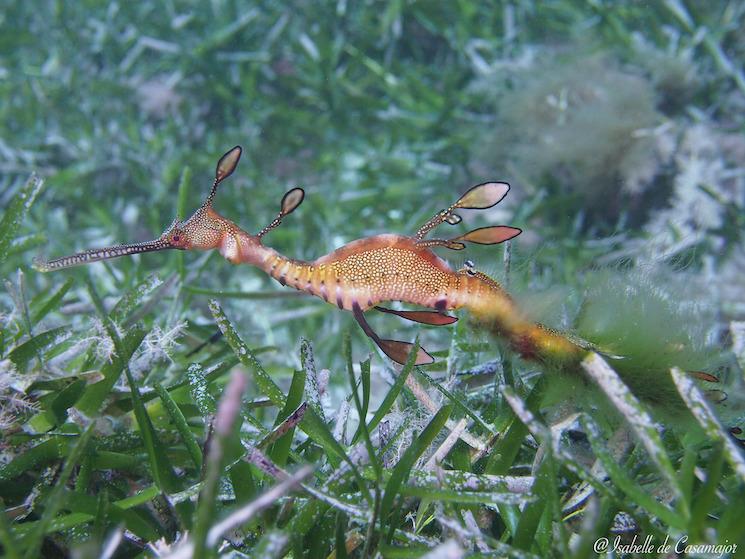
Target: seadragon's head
[{"x": 204, "y": 230}]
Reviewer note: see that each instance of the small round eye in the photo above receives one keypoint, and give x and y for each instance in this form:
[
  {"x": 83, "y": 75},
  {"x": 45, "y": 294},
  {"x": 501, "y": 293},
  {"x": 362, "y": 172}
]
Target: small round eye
[{"x": 176, "y": 238}]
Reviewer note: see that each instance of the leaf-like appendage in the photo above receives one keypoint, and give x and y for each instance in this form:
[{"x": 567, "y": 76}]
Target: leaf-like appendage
[
  {"x": 490, "y": 235},
  {"x": 228, "y": 163},
  {"x": 483, "y": 196},
  {"x": 291, "y": 200},
  {"x": 399, "y": 351},
  {"x": 423, "y": 317}
]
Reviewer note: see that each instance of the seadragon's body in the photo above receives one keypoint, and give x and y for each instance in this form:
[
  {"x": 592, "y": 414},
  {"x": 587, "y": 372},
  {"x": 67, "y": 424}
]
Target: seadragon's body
[
  {"x": 361, "y": 275},
  {"x": 370, "y": 271}
]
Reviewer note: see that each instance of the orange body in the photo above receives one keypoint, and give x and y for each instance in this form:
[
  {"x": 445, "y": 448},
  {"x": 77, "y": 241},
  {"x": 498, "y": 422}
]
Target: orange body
[
  {"x": 366, "y": 272},
  {"x": 374, "y": 270}
]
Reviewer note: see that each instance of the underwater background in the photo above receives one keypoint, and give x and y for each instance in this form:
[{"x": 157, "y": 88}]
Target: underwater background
[{"x": 619, "y": 126}]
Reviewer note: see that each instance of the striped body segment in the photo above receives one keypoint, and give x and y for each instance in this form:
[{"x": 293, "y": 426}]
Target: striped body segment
[{"x": 371, "y": 271}]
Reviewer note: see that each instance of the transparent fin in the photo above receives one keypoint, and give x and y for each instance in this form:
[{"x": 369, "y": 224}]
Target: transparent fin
[{"x": 716, "y": 396}]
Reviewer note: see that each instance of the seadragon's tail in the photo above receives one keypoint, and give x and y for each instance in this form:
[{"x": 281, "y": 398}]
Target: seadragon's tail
[
  {"x": 638, "y": 328},
  {"x": 492, "y": 309}
]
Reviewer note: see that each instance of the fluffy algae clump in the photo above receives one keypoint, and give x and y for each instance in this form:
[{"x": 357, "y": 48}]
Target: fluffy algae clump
[{"x": 583, "y": 127}]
